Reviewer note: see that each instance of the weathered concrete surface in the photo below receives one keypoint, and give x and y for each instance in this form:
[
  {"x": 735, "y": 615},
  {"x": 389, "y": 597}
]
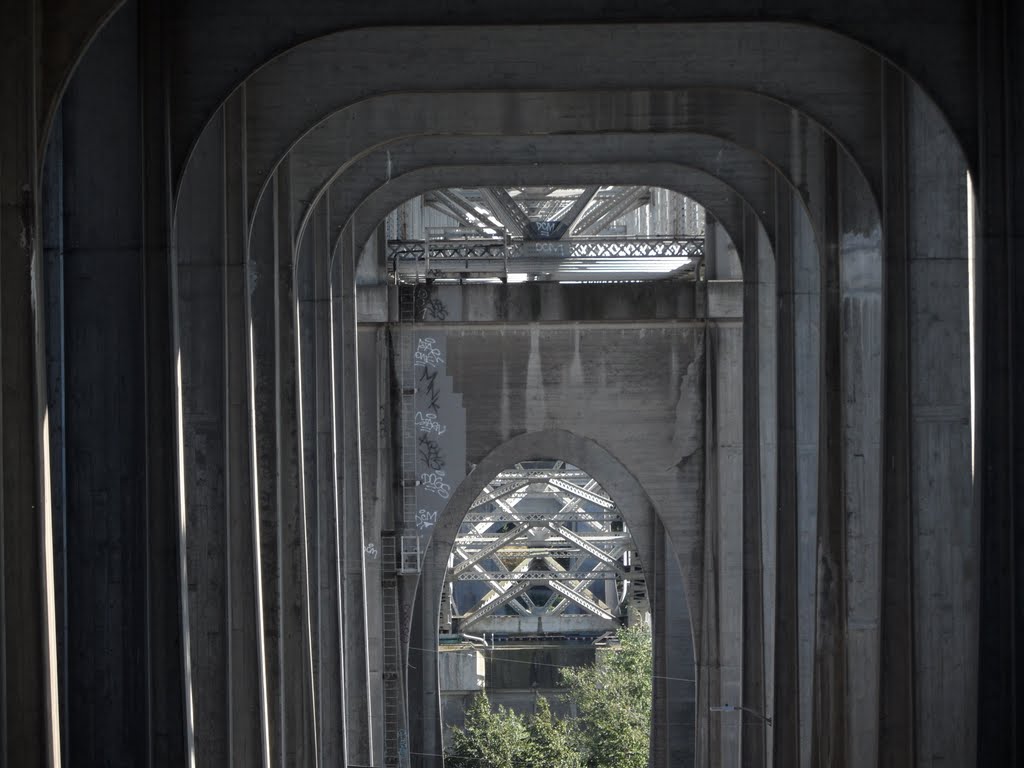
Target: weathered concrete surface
[
  {"x": 28, "y": 692},
  {"x": 377, "y": 133},
  {"x": 963, "y": 52},
  {"x": 104, "y": 496},
  {"x": 547, "y": 302},
  {"x": 640, "y": 516},
  {"x": 944, "y": 518}
]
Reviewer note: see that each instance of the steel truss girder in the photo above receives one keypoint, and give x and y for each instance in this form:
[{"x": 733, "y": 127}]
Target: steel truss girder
[
  {"x": 583, "y": 586},
  {"x": 494, "y": 604},
  {"x": 607, "y": 211},
  {"x": 494, "y": 249},
  {"x": 581, "y": 601},
  {"x": 448, "y": 210},
  {"x": 494, "y": 495},
  {"x": 536, "y": 475},
  {"x": 505, "y": 209},
  {"x": 457, "y": 202},
  {"x": 537, "y": 577},
  {"x": 620, "y": 540},
  {"x": 573, "y": 215},
  {"x": 601, "y": 501},
  {"x": 535, "y": 517},
  {"x": 585, "y": 545},
  {"x": 494, "y": 582},
  {"x": 490, "y": 549}
]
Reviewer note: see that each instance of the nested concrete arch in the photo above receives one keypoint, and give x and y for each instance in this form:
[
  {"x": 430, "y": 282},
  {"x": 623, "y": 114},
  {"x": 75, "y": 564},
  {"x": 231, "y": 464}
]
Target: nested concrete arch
[
  {"x": 835, "y": 80},
  {"x": 781, "y": 134},
  {"x": 854, "y": 235},
  {"x": 642, "y": 518},
  {"x": 741, "y": 175}
]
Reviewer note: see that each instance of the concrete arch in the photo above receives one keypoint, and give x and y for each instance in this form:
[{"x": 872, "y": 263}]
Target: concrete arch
[
  {"x": 162, "y": 67},
  {"x": 752, "y": 179},
  {"x": 294, "y": 92},
  {"x": 863, "y": 230},
  {"x": 636, "y": 506},
  {"x": 779, "y": 133}
]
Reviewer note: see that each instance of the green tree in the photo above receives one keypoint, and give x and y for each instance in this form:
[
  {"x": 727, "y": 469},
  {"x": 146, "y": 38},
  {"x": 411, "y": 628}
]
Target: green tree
[
  {"x": 489, "y": 739},
  {"x": 613, "y": 703},
  {"x": 551, "y": 740}
]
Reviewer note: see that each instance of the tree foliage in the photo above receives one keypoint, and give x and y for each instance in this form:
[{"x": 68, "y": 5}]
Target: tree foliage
[
  {"x": 551, "y": 740},
  {"x": 613, "y": 703},
  {"x": 488, "y": 739},
  {"x": 612, "y": 698}
]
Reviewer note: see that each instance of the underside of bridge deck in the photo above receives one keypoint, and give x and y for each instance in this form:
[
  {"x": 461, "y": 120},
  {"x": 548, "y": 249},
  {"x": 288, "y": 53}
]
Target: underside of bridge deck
[{"x": 287, "y": 289}]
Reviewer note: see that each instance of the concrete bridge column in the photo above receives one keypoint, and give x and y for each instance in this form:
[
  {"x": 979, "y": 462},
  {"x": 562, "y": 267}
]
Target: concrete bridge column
[
  {"x": 350, "y": 494},
  {"x": 848, "y": 592},
  {"x": 330, "y": 673},
  {"x": 896, "y": 745},
  {"x": 785, "y": 662},
  {"x": 721, "y": 646},
  {"x": 943, "y": 572},
  {"x": 1001, "y": 383},
  {"x": 757, "y": 401},
  {"x": 111, "y": 405},
  {"x": 271, "y": 307},
  {"x": 103, "y": 367},
  {"x": 228, "y": 684},
  {"x": 863, "y": 343},
  {"x": 767, "y": 425},
  {"x": 28, "y": 726},
  {"x": 262, "y": 318}
]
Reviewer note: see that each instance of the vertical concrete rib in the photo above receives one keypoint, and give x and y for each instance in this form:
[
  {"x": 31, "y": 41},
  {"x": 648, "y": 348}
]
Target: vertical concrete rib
[
  {"x": 331, "y": 634},
  {"x": 304, "y": 319},
  {"x": 246, "y": 692},
  {"x": 1000, "y": 445},
  {"x": 53, "y": 257},
  {"x": 349, "y": 479},
  {"x": 828, "y": 737},
  {"x": 862, "y": 349},
  {"x": 105, "y": 362},
  {"x": 165, "y": 595},
  {"x": 807, "y": 255},
  {"x": 654, "y": 575},
  {"x": 297, "y": 727},
  {"x": 199, "y": 324},
  {"x": 943, "y": 529},
  {"x": 767, "y": 310},
  {"x": 261, "y": 310},
  {"x": 722, "y": 621},
  {"x": 896, "y": 714},
  {"x": 28, "y": 681},
  {"x": 786, "y": 696},
  {"x": 752, "y": 691}
]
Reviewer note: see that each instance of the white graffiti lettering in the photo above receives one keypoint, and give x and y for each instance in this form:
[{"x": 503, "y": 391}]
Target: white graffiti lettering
[
  {"x": 429, "y": 423},
  {"x": 371, "y": 551},
  {"x": 426, "y": 518},
  {"x": 434, "y": 482},
  {"x": 427, "y": 353}
]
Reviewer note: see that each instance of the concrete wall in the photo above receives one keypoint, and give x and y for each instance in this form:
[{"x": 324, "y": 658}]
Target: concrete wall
[{"x": 943, "y": 538}]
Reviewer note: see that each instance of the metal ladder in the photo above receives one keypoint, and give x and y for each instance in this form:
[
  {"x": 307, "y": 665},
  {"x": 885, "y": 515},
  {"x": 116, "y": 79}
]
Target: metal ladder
[
  {"x": 392, "y": 683},
  {"x": 407, "y": 382}
]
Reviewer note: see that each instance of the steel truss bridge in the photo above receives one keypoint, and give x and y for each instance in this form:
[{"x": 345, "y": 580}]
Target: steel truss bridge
[
  {"x": 583, "y": 259},
  {"x": 543, "y": 541}
]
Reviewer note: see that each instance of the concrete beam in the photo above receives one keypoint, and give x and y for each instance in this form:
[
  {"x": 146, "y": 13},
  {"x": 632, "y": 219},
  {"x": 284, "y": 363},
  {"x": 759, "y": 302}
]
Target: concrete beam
[
  {"x": 835, "y": 81},
  {"x": 350, "y": 134}
]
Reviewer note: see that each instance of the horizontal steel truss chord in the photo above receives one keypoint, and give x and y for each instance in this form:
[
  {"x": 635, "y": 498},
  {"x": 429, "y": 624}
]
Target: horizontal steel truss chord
[
  {"x": 537, "y": 517},
  {"x": 573, "y": 260},
  {"x": 536, "y": 577},
  {"x": 400, "y": 251}
]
